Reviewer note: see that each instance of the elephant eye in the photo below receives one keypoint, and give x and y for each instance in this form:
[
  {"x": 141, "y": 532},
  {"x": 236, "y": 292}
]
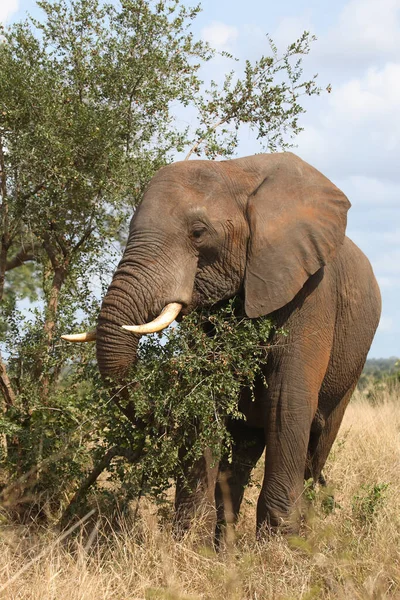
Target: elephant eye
[{"x": 198, "y": 232}]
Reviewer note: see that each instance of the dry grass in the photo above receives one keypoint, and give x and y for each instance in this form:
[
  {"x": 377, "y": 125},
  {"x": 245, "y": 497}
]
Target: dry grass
[{"x": 352, "y": 552}]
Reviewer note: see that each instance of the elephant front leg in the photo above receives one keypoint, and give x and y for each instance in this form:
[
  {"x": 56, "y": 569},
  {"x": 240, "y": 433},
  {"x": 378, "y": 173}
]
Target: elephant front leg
[
  {"x": 287, "y": 434},
  {"x": 247, "y": 447}
]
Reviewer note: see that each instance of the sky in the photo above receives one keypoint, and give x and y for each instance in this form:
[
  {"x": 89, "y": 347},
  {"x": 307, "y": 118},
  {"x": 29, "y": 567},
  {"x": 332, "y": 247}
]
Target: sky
[{"x": 352, "y": 135}]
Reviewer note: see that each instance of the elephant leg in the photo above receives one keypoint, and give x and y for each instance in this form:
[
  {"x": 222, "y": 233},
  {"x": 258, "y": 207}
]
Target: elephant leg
[
  {"x": 290, "y": 403},
  {"x": 194, "y": 494},
  {"x": 322, "y": 444},
  {"x": 317, "y": 427},
  {"x": 248, "y": 444},
  {"x": 280, "y": 501}
]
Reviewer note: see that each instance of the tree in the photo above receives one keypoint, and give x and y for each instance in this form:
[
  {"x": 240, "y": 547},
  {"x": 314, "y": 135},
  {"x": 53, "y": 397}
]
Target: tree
[{"x": 87, "y": 104}]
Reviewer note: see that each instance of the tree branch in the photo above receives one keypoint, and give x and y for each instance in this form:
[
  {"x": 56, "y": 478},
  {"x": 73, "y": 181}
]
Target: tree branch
[
  {"x": 4, "y": 223},
  {"x": 209, "y": 130},
  {"x": 49, "y": 327},
  {"x": 5, "y": 386},
  {"x": 130, "y": 455},
  {"x": 61, "y": 242},
  {"x": 20, "y": 258},
  {"x": 35, "y": 190},
  {"x": 3, "y": 174},
  {"x": 83, "y": 239},
  {"x": 51, "y": 253}
]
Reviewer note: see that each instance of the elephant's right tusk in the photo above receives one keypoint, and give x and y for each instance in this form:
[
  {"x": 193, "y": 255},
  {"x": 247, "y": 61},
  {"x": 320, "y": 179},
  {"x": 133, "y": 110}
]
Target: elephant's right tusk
[
  {"x": 88, "y": 336},
  {"x": 165, "y": 318}
]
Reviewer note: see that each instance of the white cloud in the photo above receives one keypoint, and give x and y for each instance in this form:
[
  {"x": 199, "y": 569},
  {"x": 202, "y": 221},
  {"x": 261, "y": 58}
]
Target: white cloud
[
  {"x": 367, "y": 32},
  {"x": 374, "y": 95},
  {"x": 357, "y": 130},
  {"x": 8, "y": 8},
  {"x": 392, "y": 237},
  {"x": 220, "y": 35},
  {"x": 372, "y": 191},
  {"x": 370, "y": 23}
]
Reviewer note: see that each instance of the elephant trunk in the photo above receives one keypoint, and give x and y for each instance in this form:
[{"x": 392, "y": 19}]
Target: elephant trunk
[
  {"x": 142, "y": 290},
  {"x": 116, "y": 348},
  {"x": 129, "y": 300},
  {"x": 154, "y": 272}
]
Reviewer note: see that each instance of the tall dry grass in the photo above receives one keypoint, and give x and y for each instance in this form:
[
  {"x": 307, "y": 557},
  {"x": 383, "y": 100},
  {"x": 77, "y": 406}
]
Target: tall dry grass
[{"x": 350, "y": 552}]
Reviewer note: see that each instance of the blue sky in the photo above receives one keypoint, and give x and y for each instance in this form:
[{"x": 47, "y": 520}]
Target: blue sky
[{"x": 352, "y": 134}]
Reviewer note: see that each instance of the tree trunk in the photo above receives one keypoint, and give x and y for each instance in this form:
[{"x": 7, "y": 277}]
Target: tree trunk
[
  {"x": 5, "y": 234},
  {"x": 49, "y": 327},
  {"x": 5, "y": 386},
  {"x": 5, "y": 242}
]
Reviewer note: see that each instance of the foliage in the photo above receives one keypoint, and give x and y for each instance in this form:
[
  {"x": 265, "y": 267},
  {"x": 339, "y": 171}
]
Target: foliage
[
  {"x": 85, "y": 121},
  {"x": 88, "y": 103},
  {"x": 267, "y": 99},
  {"x": 368, "y": 500},
  {"x": 320, "y": 499},
  {"x": 180, "y": 390},
  {"x": 190, "y": 384}
]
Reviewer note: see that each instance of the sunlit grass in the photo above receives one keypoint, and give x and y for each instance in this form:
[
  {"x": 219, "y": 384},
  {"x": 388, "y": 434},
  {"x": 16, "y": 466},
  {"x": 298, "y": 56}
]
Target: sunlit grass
[{"x": 348, "y": 549}]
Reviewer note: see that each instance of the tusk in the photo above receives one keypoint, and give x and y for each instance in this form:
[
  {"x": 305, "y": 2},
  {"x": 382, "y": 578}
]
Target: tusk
[
  {"x": 88, "y": 336},
  {"x": 165, "y": 318}
]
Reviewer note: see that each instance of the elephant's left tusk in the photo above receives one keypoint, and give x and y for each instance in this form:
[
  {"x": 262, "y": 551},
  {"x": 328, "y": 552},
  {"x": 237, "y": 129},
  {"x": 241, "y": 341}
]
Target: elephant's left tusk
[
  {"x": 165, "y": 318},
  {"x": 88, "y": 336}
]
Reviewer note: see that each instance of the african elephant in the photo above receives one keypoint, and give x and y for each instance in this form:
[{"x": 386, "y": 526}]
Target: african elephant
[{"x": 270, "y": 228}]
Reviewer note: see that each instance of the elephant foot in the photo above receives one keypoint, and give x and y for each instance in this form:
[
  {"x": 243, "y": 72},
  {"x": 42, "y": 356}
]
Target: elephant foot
[
  {"x": 224, "y": 536},
  {"x": 271, "y": 521},
  {"x": 219, "y": 535},
  {"x": 197, "y": 523},
  {"x": 287, "y": 528},
  {"x": 180, "y": 528}
]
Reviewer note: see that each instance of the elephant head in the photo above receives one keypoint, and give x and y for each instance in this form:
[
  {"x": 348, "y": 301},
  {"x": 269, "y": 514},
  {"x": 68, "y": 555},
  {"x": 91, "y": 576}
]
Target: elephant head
[{"x": 206, "y": 231}]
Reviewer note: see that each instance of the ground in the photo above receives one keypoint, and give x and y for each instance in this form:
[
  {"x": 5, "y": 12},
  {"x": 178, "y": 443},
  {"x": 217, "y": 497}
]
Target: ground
[{"x": 349, "y": 549}]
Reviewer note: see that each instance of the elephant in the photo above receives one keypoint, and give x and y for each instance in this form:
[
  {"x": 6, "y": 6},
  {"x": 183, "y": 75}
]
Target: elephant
[{"x": 269, "y": 228}]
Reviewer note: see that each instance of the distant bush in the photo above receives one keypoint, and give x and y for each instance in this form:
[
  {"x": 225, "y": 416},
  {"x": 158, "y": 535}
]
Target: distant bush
[{"x": 379, "y": 370}]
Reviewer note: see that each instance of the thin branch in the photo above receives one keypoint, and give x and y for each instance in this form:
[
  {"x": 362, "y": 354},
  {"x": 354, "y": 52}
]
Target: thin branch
[
  {"x": 130, "y": 455},
  {"x": 243, "y": 98},
  {"x": 35, "y": 190},
  {"x": 203, "y": 139},
  {"x": 5, "y": 241},
  {"x": 60, "y": 239},
  {"x": 83, "y": 239},
  {"x": 51, "y": 253},
  {"x": 20, "y": 258},
  {"x": 3, "y": 174},
  {"x": 129, "y": 115}
]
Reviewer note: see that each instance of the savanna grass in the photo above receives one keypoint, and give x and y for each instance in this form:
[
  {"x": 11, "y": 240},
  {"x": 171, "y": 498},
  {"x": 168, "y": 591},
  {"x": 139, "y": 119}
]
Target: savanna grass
[{"x": 349, "y": 547}]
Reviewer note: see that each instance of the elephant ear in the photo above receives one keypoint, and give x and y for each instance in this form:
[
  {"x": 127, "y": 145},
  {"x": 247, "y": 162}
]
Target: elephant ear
[{"x": 297, "y": 220}]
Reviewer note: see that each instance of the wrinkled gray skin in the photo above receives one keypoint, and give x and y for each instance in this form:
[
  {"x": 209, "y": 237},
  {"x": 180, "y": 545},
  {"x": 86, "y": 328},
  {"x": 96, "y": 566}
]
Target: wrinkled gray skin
[{"x": 272, "y": 229}]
